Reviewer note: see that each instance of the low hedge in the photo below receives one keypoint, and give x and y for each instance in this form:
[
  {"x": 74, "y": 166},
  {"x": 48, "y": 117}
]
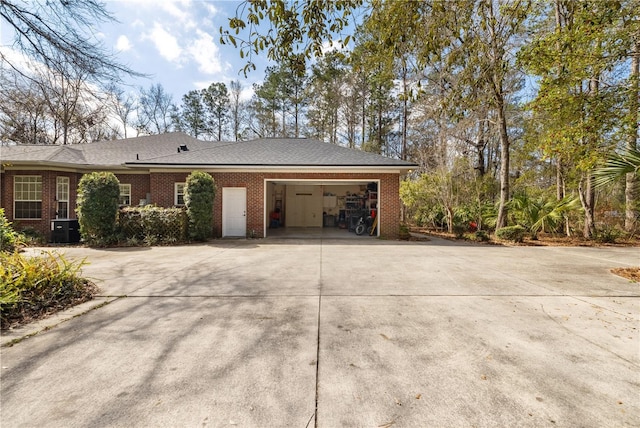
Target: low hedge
[
  {"x": 153, "y": 225},
  {"x": 512, "y": 233}
]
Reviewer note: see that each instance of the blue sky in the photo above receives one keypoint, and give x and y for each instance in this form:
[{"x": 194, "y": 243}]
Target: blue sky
[{"x": 177, "y": 43}]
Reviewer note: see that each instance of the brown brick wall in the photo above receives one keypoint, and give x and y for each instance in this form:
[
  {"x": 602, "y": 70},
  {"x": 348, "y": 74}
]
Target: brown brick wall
[
  {"x": 48, "y": 198},
  {"x": 389, "y": 204},
  {"x": 161, "y": 187},
  {"x": 140, "y": 185}
]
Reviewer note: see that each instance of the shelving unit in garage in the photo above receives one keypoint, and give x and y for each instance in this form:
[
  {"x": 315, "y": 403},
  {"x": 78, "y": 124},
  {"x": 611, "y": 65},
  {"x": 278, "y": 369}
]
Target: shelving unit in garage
[{"x": 354, "y": 204}]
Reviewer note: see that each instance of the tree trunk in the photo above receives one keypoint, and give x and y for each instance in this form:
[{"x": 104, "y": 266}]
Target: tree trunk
[
  {"x": 449, "y": 219},
  {"x": 404, "y": 112},
  {"x": 585, "y": 190},
  {"x": 480, "y": 144},
  {"x": 504, "y": 163},
  {"x": 296, "y": 112},
  {"x": 631, "y": 182}
]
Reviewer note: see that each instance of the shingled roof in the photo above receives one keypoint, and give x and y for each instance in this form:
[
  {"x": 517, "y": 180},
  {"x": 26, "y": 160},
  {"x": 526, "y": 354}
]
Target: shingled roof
[{"x": 179, "y": 149}]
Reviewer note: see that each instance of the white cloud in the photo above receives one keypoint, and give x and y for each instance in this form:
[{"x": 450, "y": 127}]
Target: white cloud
[
  {"x": 333, "y": 45},
  {"x": 213, "y": 11},
  {"x": 123, "y": 44},
  {"x": 247, "y": 93},
  {"x": 206, "y": 53},
  {"x": 19, "y": 60},
  {"x": 166, "y": 44}
]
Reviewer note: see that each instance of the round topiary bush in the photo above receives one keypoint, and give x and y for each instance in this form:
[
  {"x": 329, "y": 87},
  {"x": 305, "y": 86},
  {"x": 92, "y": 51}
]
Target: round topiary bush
[
  {"x": 199, "y": 192},
  {"x": 98, "y": 194}
]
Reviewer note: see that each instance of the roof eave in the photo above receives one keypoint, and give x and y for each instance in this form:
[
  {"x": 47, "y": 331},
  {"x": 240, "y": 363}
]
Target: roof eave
[{"x": 407, "y": 166}]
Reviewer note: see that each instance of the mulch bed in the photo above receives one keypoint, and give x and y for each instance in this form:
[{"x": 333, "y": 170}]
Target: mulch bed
[{"x": 632, "y": 274}]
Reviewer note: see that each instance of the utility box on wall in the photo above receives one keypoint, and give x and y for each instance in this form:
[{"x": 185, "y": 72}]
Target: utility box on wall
[{"x": 65, "y": 231}]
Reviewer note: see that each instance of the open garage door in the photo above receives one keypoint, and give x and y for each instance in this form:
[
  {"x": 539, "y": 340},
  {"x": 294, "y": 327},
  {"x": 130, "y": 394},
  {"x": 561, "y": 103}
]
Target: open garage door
[
  {"x": 320, "y": 208},
  {"x": 303, "y": 206}
]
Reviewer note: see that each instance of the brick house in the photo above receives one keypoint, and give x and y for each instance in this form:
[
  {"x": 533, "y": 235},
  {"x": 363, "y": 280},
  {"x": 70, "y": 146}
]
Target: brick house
[{"x": 311, "y": 183}]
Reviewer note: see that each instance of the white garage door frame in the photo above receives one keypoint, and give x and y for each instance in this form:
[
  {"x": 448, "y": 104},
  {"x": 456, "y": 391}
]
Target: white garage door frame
[{"x": 319, "y": 182}]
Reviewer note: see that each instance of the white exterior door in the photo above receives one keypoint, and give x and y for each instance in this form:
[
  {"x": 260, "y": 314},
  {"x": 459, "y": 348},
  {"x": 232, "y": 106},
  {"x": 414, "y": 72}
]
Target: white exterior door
[{"x": 234, "y": 211}]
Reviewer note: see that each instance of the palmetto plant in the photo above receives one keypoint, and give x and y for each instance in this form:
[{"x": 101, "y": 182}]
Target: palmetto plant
[
  {"x": 618, "y": 165},
  {"x": 541, "y": 214}
]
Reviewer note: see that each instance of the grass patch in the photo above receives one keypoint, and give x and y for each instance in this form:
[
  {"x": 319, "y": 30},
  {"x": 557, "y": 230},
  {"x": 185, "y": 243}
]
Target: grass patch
[{"x": 32, "y": 288}]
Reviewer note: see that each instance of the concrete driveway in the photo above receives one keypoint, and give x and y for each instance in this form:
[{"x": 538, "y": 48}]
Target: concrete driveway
[{"x": 337, "y": 333}]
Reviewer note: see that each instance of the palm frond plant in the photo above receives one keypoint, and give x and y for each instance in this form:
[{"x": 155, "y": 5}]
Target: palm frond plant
[
  {"x": 541, "y": 213},
  {"x": 617, "y": 166}
]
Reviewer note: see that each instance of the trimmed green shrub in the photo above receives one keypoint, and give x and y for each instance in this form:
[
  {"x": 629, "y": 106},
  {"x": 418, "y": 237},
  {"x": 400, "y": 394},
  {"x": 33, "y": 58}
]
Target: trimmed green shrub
[
  {"x": 512, "y": 233},
  {"x": 199, "y": 193},
  {"x": 98, "y": 194},
  {"x": 32, "y": 287},
  {"x": 153, "y": 225},
  {"x": 9, "y": 238}
]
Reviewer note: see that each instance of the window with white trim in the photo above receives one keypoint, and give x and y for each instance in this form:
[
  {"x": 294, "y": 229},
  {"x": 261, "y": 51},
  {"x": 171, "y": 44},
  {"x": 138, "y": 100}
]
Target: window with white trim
[
  {"x": 62, "y": 197},
  {"x": 179, "y": 194},
  {"x": 125, "y": 194},
  {"x": 27, "y": 197}
]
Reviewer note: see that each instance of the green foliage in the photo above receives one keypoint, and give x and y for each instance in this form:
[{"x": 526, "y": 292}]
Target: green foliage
[
  {"x": 617, "y": 166},
  {"x": 33, "y": 286},
  {"x": 511, "y": 233},
  {"x": 152, "y": 225},
  {"x": 481, "y": 236},
  {"x": 541, "y": 213},
  {"x": 301, "y": 28},
  {"x": 579, "y": 107},
  {"x": 98, "y": 194},
  {"x": 199, "y": 194},
  {"x": 9, "y": 238},
  {"x": 607, "y": 234},
  {"x": 31, "y": 236},
  {"x": 459, "y": 229},
  {"x": 403, "y": 232}
]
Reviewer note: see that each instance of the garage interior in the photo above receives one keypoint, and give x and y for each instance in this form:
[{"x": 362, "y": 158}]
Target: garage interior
[{"x": 322, "y": 209}]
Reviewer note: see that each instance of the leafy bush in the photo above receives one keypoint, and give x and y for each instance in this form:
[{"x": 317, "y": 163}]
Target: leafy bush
[
  {"x": 459, "y": 229},
  {"x": 9, "y": 238},
  {"x": 542, "y": 213},
  {"x": 512, "y": 233},
  {"x": 152, "y": 225},
  {"x": 98, "y": 194},
  {"x": 607, "y": 234},
  {"x": 31, "y": 287},
  {"x": 481, "y": 236},
  {"x": 32, "y": 236},
  {"x": 403, "y": 233},
  {"x": 199, "y": 193}
]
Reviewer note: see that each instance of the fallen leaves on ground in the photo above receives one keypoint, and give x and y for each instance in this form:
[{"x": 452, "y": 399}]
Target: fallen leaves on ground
[{"x": 632, "y": 274}]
